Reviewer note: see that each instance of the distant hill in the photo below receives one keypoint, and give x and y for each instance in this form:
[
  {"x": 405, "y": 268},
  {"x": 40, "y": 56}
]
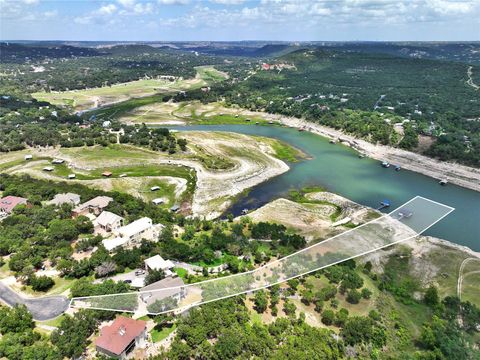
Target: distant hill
[
  {"x": 12, "y": 52},
  {"x": 468, "y": 52}
]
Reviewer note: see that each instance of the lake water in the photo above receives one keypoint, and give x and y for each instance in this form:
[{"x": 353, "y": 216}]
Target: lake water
[{"x": 338, "y": 169}]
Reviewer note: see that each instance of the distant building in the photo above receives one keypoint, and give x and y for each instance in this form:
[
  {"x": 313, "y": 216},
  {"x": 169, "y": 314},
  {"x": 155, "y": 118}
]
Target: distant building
[
  {"x": 66, "y": 198},
  {"x": 106, "y": 174},
  {"x": 8, "y": 203},
  {"x": 120, "y": 338},
  {"x": 94, "y": 206},
  {"x": 175, "y": 208},
  {"x": 58, "y": 161},
  {"x": 28, "y": 157},
  {"x": 108, "y": 221},
  {"x": 48, "y": 168}
]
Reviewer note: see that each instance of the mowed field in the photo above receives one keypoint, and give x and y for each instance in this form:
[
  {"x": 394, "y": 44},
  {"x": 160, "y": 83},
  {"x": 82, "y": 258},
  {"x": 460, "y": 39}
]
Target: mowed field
[
  {"x": 95, "y": 97},
  {"x": 192, "y": 112}
]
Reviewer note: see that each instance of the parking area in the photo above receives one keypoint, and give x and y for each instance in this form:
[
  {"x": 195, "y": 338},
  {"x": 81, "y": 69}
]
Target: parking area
[{"x": 135, "y": 278}]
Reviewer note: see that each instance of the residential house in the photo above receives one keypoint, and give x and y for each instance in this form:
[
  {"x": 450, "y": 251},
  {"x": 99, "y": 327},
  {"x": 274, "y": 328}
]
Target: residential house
[
  {"x": 94, "y": 206},
  {"x": 8, "y": 203},
  {"x": 108, "y": 221},
  {"x": 65, "y": 198},
  {"x": 158, "y": 263},
  {"x": 168, "y": 288},
  {"x": 131, "y": 235},
  {"x": 120, "y": 339}
]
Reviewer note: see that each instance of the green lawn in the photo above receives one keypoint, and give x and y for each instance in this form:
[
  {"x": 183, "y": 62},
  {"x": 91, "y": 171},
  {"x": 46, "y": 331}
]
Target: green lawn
[
  {"x": 159, "y": 335},
  {"x": 210, "y": 74},
  {"x": 181, "y": 272}
]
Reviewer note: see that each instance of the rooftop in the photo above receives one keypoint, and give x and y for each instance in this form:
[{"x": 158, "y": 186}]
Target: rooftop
[
  {"x": 135, "y": 227},
  {"x": 170, "y": 286},
  {"x": 111, "y": 244},
  {"x": 118, "y": 336},
  {"x": 107, "y": 218},
  {"x": 158, "y": 263},
  {"x": 9, "y": 202},
  {"x": 99, "y": 201},
  {"x": 65, "y": 198}
]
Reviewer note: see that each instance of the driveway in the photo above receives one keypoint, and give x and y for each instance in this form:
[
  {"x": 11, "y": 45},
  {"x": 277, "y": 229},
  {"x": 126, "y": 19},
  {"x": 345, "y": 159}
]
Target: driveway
[{"x": 44, "y": 308}]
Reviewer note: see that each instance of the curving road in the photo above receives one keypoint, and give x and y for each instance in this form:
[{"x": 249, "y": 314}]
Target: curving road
[{"x": 43, "y": 308}]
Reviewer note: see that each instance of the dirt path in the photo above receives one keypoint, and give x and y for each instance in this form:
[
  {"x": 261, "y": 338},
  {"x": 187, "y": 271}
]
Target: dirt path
[
  {"x": 461, "y": 275},
  {"x": 470, "y": 79}
]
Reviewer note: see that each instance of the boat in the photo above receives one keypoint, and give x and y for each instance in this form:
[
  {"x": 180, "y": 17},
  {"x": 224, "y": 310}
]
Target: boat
[
  {"x": 386, "y": 164},
  {"x": 384, "y": 204},
  {"x": 397, "y": 167},
  {"x": 301, "y": 129},
  {"x": 443, "y": 182},
  {"x": 361, "y": 156},
  {"x": 244, "y": 211},
  {"x": 332, "y": 141}
]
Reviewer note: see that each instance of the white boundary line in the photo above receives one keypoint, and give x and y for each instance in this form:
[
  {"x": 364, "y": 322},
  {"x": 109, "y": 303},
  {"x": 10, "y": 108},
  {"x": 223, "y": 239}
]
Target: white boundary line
[{"x": 269, "y": 264}]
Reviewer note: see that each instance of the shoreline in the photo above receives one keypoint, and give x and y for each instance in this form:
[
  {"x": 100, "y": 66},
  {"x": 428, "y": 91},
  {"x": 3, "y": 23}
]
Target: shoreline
[{"x": 457, "y": 174}]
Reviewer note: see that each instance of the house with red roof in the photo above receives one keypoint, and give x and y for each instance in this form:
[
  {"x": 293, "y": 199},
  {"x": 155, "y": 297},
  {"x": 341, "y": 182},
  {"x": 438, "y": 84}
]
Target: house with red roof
[
  {"x": 119, "y": 339},
  {"x": 8, "y": 203}
]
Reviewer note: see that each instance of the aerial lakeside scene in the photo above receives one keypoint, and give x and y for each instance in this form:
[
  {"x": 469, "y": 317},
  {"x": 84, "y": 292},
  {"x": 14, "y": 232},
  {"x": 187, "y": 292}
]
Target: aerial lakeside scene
[{"x": 239, "y": 179}]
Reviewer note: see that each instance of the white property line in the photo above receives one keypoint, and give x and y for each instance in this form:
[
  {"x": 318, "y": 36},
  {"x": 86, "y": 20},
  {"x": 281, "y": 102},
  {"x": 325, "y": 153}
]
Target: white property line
[{"x": 162, "y": 300}]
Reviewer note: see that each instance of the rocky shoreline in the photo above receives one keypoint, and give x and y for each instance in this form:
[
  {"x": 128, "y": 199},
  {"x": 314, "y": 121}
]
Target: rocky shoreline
[{"x": 458, "y": 174}]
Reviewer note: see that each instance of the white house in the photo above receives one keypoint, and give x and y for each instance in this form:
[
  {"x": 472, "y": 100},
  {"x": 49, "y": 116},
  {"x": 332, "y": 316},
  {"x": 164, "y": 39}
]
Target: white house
[
  {"x": 132, "y": 234},
  {"x": 108, "y": 221},
  {"x": 158, "y": 263}
]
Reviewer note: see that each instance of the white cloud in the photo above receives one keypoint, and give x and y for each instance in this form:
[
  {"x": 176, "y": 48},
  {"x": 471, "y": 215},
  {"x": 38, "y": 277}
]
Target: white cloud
[
  {"x": 451, "y": 7},
  {"x": 173, "y": 2},
  {"x": 228, "y": 2},
  {"x": 107, "y": 9},
  {"x": 127, "y": 3},
  {"x": 51, "y": 13},
  {"x": 83, "y": 20},
  {"x": 143, "y": 9}
]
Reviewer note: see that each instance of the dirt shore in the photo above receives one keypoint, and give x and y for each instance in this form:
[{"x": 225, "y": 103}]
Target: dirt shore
[{"x": 458, "y": 174}]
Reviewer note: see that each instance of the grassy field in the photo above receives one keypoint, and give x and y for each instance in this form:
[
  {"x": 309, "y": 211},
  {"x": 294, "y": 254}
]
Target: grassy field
[
  {"x": 471, "y": 288},
  {"x": 95, "y": 97},
  {"x": 209, "y": 74},
  {"x": 154, "y": 111},
  {"x": 88, "y": 98}
]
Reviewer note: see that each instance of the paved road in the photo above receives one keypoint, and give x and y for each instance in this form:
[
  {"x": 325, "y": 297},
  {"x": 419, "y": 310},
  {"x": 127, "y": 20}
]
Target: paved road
[{"x": 44, "y": 308}]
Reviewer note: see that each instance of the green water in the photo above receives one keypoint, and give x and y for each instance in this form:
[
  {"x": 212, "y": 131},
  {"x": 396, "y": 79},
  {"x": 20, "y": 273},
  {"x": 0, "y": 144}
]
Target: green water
[{"x": 339, "y": 169}]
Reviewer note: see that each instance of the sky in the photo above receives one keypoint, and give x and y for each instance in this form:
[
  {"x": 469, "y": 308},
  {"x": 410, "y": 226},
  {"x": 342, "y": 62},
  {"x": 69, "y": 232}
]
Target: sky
[{"x": 234, "y": 20}]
